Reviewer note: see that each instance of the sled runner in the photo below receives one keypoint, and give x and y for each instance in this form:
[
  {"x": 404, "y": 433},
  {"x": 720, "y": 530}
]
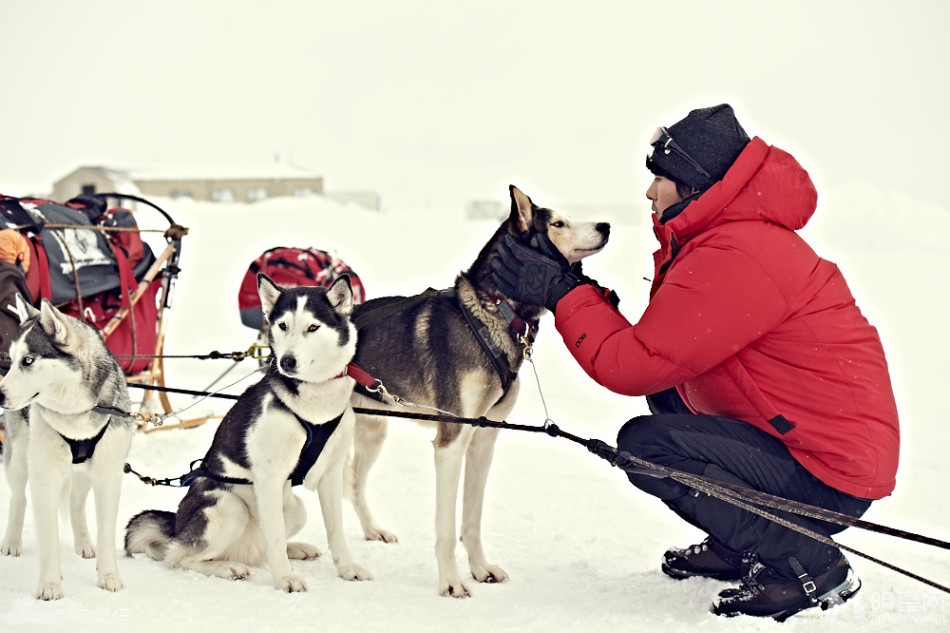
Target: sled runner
[{"x": 89, "y": 259}]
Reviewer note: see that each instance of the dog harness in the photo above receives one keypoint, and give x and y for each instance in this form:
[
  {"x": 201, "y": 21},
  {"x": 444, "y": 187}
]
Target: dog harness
[
  {"x": 317, "y": 437},
  {"x": 82, "y": 450},
  {"x": 526, "y": 330}
]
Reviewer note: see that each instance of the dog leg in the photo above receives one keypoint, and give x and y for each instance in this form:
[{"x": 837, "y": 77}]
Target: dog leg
[
  {"x": 269, "y": 493},
  {"x": 15, "y": 468},
  {"x": 448, "y": 470},
  {"x": 477, "y": 463},
  {"x": 367, "y": 443},
  {"x": 295, "y": 517},
  {"x": 106, "y": 489},
  {"x": 224, "y": 529},
  {"x": 78, "y": 493},
  {"x": 45, "y": 488},
  {"x": 330, "y": 491}
]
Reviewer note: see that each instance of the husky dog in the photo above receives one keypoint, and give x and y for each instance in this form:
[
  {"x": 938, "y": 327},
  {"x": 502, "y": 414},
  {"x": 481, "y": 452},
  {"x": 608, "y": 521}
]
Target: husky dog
[
  {"x": 457, "y": 350},
  {"x": 293, "y": 426},
  {"x": 67, "y": 411}
]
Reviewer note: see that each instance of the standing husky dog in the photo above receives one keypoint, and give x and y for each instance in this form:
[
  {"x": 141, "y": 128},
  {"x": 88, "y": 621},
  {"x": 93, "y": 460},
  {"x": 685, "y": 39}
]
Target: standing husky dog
[
  {"x": 294, "y": 426},
  {"x": 457, "y": 351},
  {"x": 66, "y": 386}
]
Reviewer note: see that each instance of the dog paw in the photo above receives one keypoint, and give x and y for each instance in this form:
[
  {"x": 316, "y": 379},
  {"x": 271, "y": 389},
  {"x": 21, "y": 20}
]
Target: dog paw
[
  {"x": 376, "y": 534},
  {"x": 354, "y": 572},
  {"x": 291, "y": 584},
  {"x": 50, "y": 591},
  {"x": 455, "y": 589},
  {"x": 110, "y": 582},
  {"x": 302, "y": 551},
  {"x": 237, "y": 571},
  {"x": 11, "y": 548},
  {"x": 86, "y": 549},
  {"x": 490, "y": 574}
]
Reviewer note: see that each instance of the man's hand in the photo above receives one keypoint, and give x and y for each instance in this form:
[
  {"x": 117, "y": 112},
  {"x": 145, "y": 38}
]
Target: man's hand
[{"x": 536, "y": 276}]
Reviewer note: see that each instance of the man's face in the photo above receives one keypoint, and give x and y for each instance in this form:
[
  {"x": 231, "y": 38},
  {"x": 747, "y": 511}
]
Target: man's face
[{"x": 662, "y": 193}]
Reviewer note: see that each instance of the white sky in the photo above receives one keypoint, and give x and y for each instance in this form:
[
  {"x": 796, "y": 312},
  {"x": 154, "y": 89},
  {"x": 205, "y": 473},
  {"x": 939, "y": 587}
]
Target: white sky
[{"x": 436, "y": 103}]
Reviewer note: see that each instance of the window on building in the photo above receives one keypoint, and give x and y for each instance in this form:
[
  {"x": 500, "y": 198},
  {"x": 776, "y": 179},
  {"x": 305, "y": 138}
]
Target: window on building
[
  {"x": 223, "y": 194},
  {"x": 303, "y": 192},
  {"x": 88, "y": 190},
  {"x": 180, "y": 193},
  {"x": 256, "y": 193}
]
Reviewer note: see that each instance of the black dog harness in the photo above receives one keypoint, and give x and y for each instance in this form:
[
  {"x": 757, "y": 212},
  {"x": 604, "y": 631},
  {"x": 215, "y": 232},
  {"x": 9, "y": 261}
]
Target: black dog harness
[
  {"x": 82, "y": 450},
  {"x": 526, "y": 330},
  {"x": 317, "y": 437}
]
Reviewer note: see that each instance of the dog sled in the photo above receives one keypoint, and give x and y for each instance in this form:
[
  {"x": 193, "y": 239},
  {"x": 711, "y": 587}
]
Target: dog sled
[{"x": 89, "y": 259}]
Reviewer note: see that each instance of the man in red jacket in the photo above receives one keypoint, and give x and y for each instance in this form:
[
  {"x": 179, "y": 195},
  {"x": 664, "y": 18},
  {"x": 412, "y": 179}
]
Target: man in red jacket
[{"x": 758, "y": 367}]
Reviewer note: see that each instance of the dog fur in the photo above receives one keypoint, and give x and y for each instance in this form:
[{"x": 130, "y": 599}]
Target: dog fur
[
  {"x": 222, "y": 528},
  {"x": 61, "y": 370},
  {"x": 424, "y": 351}
]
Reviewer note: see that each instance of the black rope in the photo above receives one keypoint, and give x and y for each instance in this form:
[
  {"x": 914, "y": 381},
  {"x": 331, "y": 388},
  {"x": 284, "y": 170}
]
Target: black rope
[
  {"x": 187, "y": 392},
  {"x": 743, "y": 497},
  {"x": 212, "y": 355}
]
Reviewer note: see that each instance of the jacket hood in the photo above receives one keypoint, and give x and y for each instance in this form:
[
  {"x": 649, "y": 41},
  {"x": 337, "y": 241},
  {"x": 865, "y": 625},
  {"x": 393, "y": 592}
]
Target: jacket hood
[{"x": 765, "y": 183}]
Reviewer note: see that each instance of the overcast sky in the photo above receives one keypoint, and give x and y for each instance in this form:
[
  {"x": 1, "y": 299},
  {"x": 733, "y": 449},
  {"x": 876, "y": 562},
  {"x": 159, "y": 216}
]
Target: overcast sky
[{"x": 434, "y": 103}]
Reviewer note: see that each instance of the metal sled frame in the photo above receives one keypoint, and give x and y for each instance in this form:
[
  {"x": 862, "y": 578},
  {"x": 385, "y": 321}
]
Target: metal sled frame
[{"x": 165, "y": 266}]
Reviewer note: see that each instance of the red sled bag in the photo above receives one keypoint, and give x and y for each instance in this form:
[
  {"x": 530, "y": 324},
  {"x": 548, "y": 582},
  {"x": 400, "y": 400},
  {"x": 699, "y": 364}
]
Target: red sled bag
[
  {"x": 134, "y": 340},
  {"x": 292, "y": 267}
]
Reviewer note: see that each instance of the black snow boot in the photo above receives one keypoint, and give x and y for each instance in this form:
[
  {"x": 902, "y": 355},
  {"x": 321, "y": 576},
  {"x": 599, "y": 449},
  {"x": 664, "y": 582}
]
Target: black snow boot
[
  {"x": 709, "y": 559},
  {"x": 764, "y": 593}
]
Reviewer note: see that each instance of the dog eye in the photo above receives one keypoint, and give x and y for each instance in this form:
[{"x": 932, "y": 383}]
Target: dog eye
[
  {"x": 558, "y": 224},
  {"x": 313, "y": 328},
  {"x": 282, "y": 326},
  {"x": 27, "y": 360}
]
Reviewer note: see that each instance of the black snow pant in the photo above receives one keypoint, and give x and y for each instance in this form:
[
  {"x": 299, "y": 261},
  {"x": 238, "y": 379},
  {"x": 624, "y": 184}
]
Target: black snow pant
[{"x": 736, "y": 452}]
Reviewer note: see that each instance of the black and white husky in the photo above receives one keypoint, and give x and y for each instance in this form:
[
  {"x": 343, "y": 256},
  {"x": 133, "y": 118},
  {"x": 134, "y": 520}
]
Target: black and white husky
[
  {"x": 68, "y": 429},
  {"x": 458, "y": 350},
  {"x": 294, "y": 426}
]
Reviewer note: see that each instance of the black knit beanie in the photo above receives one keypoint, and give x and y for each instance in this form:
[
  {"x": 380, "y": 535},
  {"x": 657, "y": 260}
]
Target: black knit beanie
[{"x": 711, "y": 136}]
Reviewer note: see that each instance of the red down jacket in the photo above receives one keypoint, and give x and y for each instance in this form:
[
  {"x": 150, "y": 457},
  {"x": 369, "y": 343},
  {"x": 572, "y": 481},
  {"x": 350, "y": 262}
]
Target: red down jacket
[{"x": 749, "y": 323}]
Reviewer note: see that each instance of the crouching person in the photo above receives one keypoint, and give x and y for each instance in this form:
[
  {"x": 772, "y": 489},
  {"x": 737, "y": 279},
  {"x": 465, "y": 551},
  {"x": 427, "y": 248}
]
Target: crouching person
[{"x": 759, "y": 368}]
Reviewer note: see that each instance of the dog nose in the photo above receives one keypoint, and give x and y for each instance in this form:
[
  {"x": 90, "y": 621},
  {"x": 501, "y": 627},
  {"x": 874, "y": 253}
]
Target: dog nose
[
  {"x": 288, "y": 363},
  {"x": 603, "y": 228}
]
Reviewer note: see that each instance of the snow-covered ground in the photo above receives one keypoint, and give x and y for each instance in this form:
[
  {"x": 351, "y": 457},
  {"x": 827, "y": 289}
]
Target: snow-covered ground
[{"x": 581, "y": 545}]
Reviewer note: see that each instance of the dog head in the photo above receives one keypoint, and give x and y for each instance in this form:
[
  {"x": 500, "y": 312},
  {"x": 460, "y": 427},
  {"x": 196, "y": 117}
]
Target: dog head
[
  {"x": 309, "y": 330},
  {"x": 54, "y": 357},
  {"x": 574, "y": 240}
]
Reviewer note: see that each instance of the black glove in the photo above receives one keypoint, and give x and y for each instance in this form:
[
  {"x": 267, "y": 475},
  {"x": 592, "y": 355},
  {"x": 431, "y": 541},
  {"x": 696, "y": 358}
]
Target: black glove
[{"x": 536, "y": 276}]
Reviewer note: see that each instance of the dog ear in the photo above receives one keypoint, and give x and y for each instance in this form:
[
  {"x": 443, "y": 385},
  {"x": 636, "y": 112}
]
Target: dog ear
[
  {"x": 269, "y": 293},
  {"x": 522, "y": 211},
  {"x": 340, "y": 295},
  {"x": 24, "y": 310},
  {"x": 54, "y": 323}
]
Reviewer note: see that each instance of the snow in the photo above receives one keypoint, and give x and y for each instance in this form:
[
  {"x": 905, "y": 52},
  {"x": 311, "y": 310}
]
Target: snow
[{"x": 581, "y": 545}]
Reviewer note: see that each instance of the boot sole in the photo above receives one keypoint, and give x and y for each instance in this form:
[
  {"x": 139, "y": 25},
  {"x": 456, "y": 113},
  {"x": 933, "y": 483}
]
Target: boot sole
[{"x": 836, "y": 596}]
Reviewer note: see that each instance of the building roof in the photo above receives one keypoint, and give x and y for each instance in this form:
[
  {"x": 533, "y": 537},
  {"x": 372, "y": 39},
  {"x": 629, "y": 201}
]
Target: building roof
[
  {"x": 265, "y": 171},
  {"x": 268, "y": 171}
]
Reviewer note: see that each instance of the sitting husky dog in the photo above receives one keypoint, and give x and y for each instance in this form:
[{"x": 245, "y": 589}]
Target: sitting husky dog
[
  {"x": 66, "y": 387},
  {"x": 294, "y": 426},
  {"x": 460, "y": 351}
]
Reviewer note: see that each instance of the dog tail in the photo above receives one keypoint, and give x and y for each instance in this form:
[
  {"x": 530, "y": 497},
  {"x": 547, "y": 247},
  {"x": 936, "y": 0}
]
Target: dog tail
[{"x": 150, "y": 532}]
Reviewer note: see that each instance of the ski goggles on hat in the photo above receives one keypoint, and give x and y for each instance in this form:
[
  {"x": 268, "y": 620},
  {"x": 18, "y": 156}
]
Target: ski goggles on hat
[{"x": 662, "y": 136}]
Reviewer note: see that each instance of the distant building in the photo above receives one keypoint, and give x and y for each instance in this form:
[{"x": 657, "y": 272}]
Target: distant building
[{"x": 211, "y": 183}]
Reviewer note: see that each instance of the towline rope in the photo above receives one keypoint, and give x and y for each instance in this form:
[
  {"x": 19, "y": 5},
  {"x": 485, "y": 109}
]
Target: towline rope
[{"x": 748, "y": 499}]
